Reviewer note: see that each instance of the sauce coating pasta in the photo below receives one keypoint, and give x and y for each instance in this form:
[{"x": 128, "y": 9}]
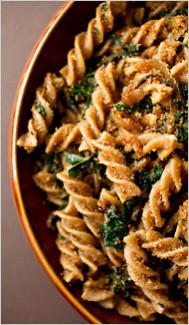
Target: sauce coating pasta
[{"x": 114, "y": 167}]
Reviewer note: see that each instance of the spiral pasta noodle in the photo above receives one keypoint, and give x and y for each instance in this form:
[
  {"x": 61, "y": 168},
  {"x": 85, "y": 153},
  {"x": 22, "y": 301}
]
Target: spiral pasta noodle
[
  {"x": 170, "y": 247},
  {"x": 149, "y": 282},
  {"x": 74, "y": 229},
  {"x": 116, "y": 171},
  {"x": 42, "y": 112},
  {"x": 111, "y": 136},
  {"x": 159, "y": 195},
  {"x": 81, "y": 194},
  {"x": 94, "y": 121},
  {"x": 85, "y": 42}
]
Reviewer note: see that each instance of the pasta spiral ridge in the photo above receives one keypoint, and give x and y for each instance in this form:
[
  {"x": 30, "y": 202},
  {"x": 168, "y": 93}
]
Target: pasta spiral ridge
[
  {"x": 167, "y": 248},
  {"x": 42, "y": 112},
  {"x": 147, "y": 279},
  {"x": 47, "y": 182},
  {"x": 81, "y": 194},
  {"x": 70, "y": 260},
  {"x": 96, "y": 290},
  {"x": 86, "y": 41},
  {"x": 62, "y": 138},
  {"x": 170, "y": 181},
  {"x": 116, "y": 171},
  {"x": 74, "y": 229},
  {"x": 102, "y": 97}
]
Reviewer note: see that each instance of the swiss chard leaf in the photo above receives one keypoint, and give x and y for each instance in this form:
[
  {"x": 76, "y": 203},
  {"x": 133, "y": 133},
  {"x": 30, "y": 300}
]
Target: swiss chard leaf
[
  {"x": 77, "y": 161},
  {"x": 116, "y": 226},
  {"x": 146, "y": 179}
]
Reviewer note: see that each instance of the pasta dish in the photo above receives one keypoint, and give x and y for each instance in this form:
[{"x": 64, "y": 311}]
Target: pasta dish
[{"x": 110, "y": 131}]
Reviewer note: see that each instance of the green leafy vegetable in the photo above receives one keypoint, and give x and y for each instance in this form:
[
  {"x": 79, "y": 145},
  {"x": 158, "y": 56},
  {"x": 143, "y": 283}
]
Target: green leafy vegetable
[
  {"x": 52, "y": 160},
  {"x": 81, "y": 92},
  {"x": 182, "y": 11},
  {"x": 122, "y": 107},
  {"x": 120, "y": 282},
  {"x": 95, "y": 31},
  {"x": 130, "y": 204},
  {"x": 157, "y": 172},
  {"x": 145, "y": 105},
  {"x": 116, "y": 226},
  {"x": 181, "y": 115},
  {"x": 98, "y": 169},
  {"x": 146, "y": 179},
  {"x": 104, "y": 6},
  {"x": 128, "y": 49},
  {"x": 182, "y": 131},
  {"x": 77, "y": 161},
  {"x": 116, "y": 40},
  {"x": 40, "y": 109}
]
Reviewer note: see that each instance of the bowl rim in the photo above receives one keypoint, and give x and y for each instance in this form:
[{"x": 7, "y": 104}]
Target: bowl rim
[{"x": 13, "y": 169}]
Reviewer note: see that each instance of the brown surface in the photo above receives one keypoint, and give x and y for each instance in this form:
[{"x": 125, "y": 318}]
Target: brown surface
[{"x": 27, "y": 294}]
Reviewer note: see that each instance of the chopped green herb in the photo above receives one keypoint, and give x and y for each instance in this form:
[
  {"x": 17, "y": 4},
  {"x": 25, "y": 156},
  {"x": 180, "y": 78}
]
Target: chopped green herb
[
  {"x": 164, "y": 122},
  {"x": 95, "y": 31},
  {"x": 128, "y": 49},
  {"x": 146, "y": 179},
  {"x": 182, "y": 131},
  {"x": 185, "y": 45},
  {"x": 116, "y": 40},
  {"x": 77, "y": 161},
  {"x": 181, "y": 115},
  {"x": 122, "y": 107},
  {"x": 120, "y": 282},
  {"x": 52, "y": 160},
  {"x": 99, "y": 169},
  {"x": 116, "y": 226},
  {"x": 130, "y": 204},
  {"x": 104, "y": 6},
  {"x": 131, "y": 49},
  {"x": 81, "y": 92},
  {"x": 157, "y": 172},
  {"x": 182, "y": 11},
  {"x": 61, "y": 207},
  {"x": 40, "y": 109},
  {"x": 73, "y": 159},
  {"x": 145, "y": 105}
]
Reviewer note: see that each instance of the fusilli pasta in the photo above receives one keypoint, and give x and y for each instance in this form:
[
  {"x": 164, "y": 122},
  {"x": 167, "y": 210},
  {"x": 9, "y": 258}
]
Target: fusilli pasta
[{"x": 115, "y": 167}]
